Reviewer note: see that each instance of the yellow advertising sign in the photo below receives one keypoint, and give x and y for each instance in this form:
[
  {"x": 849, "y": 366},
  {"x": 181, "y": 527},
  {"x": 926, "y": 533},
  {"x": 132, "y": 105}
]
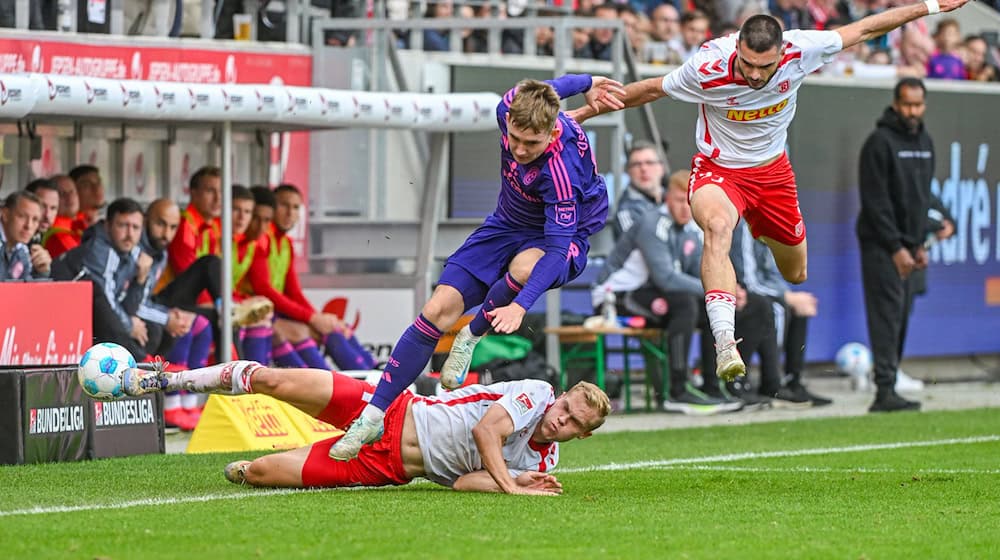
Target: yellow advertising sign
[{"x": 244, "y": 422}]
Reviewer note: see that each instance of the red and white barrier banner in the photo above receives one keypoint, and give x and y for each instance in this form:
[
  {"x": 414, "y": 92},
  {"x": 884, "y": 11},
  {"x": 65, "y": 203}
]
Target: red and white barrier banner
[
  {"x": 45, "y": 323},
  {"x": 117, "y": 62}
]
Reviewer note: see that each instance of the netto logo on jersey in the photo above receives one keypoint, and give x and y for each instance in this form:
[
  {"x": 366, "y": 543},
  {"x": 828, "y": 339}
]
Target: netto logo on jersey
[
  {"x": 55, "y": 420},
  {"x": 754, "y": 114},
  {"x": 123, "y": 413}
]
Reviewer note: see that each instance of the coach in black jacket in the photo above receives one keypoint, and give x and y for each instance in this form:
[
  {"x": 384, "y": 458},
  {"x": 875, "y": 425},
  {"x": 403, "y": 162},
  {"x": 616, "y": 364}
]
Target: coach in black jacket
[{"x": 895, "y": 172}]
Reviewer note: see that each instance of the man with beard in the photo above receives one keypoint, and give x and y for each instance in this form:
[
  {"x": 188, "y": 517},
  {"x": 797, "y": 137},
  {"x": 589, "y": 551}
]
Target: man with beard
[
  {"x": 746, "y": 87},
  {"x": 895, "y": 171}
]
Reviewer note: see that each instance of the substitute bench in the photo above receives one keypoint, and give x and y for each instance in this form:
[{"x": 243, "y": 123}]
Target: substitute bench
[{"x": 575, "y": 347}]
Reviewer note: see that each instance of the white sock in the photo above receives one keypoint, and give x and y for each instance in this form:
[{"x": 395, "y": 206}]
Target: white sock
[
  {"x": 373, "y": 413},
  {"x": 215, "y": 378},
  {"x": 721, "y": 307},
  {"x": 241, "y": 372}
]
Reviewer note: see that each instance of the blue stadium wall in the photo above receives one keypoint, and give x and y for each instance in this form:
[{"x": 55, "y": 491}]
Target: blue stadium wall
[{"x": 957, "y": 316}]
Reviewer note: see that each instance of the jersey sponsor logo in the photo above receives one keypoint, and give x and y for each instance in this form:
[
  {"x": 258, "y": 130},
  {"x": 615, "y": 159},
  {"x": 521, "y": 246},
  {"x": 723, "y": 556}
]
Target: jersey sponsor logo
[
  {"x": 783, "y": 86},
  {"x": 566, "y": 213},
  {"x": 523, "y": 403},
  {"x": 55, "y": 420},
  {"x": 123, "y": 413},
  {"x": 755, "y": 114}
]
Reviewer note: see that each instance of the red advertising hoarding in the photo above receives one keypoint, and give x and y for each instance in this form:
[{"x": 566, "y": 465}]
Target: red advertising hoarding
[{"x": 45, "y": 323}]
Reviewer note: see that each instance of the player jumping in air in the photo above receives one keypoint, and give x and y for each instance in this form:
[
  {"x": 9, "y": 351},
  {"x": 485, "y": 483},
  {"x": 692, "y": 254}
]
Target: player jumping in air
[
  {"x": 745, "y": 85},
  {"x": 551, "y": 201}
]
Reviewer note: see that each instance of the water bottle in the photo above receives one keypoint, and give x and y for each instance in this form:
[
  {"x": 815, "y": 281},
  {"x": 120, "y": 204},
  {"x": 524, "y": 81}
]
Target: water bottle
[{"x": 608, "y": 310}]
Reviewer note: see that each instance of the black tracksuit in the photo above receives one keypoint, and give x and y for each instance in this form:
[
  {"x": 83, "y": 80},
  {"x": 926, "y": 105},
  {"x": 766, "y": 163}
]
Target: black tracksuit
[{"x": 895, "y": 171}]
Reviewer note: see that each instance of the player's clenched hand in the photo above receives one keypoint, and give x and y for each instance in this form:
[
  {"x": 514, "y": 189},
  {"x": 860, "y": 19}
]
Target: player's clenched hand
[
  {"x": 539, "y": 481},
  {"x": 605, "y": 92},
  {"x": 506, "y": 319}
]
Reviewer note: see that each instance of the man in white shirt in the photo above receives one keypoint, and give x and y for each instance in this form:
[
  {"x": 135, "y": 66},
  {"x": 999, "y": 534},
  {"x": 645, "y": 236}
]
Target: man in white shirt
[
  {"x": 745, "y": 85},
  {"x": 487, "y": 438}
]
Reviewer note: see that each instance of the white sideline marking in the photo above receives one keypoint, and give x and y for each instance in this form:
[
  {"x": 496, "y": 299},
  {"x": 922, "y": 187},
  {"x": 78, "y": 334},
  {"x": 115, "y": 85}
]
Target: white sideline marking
[
  {"x": 680, "y": 463},
  {"x": 859, "y": 470},
  {"x": 773, "y": 454}
]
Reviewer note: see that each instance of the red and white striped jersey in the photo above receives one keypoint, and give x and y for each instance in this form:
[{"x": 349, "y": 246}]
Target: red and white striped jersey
[
  {"x": 444, "y": 428},
  {"x": 739, "y": 126}
]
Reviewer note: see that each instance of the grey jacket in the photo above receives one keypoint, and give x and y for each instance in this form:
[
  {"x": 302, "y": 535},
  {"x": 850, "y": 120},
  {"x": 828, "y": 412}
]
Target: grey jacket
[
  {"x": 631, "y": 206},
  {"x": 672, "y": 252},
  {"x": 16, "y": 264},
  {"x": 113, "y": 272},
  {"x": 754, "y": 264}
]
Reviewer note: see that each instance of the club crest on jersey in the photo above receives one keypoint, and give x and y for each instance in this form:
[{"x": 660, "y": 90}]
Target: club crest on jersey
[
  {"x": 732, "y": 101},
  {"x": 531, "y": 175},
  {"x": 523, "y": 403},
  {"x": 566, "y": 213},
  {"x": 755, "y": 114},
  {"x": 783, "y": 86}
]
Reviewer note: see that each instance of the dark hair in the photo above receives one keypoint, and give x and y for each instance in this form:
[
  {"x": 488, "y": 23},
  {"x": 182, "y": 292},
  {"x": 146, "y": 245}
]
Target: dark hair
[
  {"x": 81, "y": 170},
  {"x": 907, "y": 83},
  {"x": 15, "y": 197},
  {"x": 123, "y": 206},
  {"x": 242, "y": 193},
  {"x": 287, "y": 187},
  {"x": 207, "y": 171},
  {"x": 263, "y": 196},
  {"x": 41, "y": 184},
  {"x": 761, "y": 33}
]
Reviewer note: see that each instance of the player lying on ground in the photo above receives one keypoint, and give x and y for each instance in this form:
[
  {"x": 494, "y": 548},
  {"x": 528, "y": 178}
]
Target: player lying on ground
[{"x": 488, "y": 438}]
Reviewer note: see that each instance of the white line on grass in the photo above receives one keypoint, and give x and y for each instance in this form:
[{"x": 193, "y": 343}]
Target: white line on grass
[
  {"x": 859, "y": 470},
  {"x": 686, "y": 462},
  {"x": 773, "y": 454}
]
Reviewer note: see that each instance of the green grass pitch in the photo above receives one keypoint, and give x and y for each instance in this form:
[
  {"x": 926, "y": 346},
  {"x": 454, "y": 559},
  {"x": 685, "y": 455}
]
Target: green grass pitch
[{"x": 879, "y": 486}]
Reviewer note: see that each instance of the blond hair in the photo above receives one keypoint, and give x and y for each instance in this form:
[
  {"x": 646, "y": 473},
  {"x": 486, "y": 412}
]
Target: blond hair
[
  {"x": 595, "y": 398},
  {"x": 679, "y": 180},
  {"x": 535, "y": 106}
]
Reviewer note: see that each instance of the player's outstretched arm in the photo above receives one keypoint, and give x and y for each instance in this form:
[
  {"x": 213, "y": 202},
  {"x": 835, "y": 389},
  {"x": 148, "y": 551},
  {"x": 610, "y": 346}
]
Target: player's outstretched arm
[
  {"x": 489, "y": 434},
  {"x": 879, "y": 24},
  {"x": 482, "y": 481},
  {"x": 632, "y": 95}
]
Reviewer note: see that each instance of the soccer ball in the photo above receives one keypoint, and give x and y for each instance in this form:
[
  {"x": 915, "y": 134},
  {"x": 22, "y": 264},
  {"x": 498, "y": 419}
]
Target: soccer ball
[
  {"x": 854, "y": 359},
  {"x": 102, "y": 369}
]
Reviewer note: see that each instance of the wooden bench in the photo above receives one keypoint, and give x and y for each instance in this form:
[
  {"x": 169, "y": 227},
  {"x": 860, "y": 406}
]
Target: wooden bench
[{"x": 574, "y": 341}]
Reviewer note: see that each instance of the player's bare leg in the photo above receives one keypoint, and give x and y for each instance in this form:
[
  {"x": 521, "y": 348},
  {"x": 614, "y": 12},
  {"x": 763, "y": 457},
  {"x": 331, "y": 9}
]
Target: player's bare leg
[
  {"x": 275, "y": 470},
  {"x": 441, "y": 311},
  {"x": 456, "y": 367},
  {"x": 791, "y": 260},
  {"x": 717, "y": 217}
]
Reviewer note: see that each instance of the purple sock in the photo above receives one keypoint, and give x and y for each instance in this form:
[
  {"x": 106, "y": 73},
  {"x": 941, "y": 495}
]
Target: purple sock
[
  {"x": 178, "y": 355},
  {"x": 201, "y": 344},
  {"x": 408, "y": 359},
  {"x": 501, "y": 293},
  {"x": 367, "y": 358},
  {"x": 285, "y": 356},
  {"x": 257, "y": 343},
  {"x": 345, "y": 354},
  {"x": 309, "y": 352}
]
